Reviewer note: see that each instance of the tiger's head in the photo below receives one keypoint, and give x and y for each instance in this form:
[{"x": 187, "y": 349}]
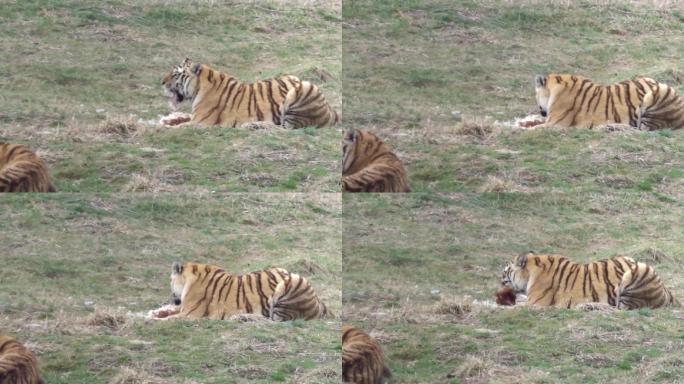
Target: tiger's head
[
  {"x": 184, "y": 277},
  {"x": 516, "y": 274},
  {"x": 177, "y": 283},
  {"x": 359, "y": 148},
  {"x": 542, "y": 93},
  {"x": 181, "y": 82}
]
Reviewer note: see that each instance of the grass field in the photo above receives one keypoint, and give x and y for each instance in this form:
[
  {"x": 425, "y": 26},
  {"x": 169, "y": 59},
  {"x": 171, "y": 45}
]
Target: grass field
[
  {"x": 79, "y": 270},
  {"x": 408, "y": 65},
  {"x": 420, "y": 272},
  {"x": 82, "y": 83}
]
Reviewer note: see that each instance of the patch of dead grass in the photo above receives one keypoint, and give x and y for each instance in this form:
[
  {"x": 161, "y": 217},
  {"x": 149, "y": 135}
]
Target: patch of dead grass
[
  {"x": 259, "y": 179},
  {"x": 129, "y": 375},
  {"x": 124, "y": 127},
  {"x": 107, "y": 318},
  {"x": 651, "y": 255},
  {"x": 306, "y": 267},
  {"x": 158, "y": 181},
  {"x": 453, "y": 307},
  {"x": 504, "y": 183},
  {"x": 480, "y": 130}
]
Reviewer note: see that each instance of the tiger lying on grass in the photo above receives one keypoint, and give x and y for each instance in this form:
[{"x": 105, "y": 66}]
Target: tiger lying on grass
[
  {"x": 220, "y": 99},
  {"x": 17, "y": 363},
  {"x": 368, "y": 165},
  {"x": 207, "y": 291},
  {"x": 362, "y": 359},
  {"x": 553, "y": 280},
  {"x": 21, "y": 170},
  {"x": 574, "y": 101}
]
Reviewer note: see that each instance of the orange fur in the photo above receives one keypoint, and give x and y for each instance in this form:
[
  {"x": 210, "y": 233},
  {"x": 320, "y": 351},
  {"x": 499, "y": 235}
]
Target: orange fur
[
  {"x": 21, "y": 170},
  {"x": 368, "y": 165}
]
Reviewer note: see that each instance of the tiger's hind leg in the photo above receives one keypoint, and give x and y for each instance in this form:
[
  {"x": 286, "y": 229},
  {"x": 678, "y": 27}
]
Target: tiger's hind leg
[
  {"x": 375, "y": 178},
  {"x": 305, "y": 106},
  {"x": 294, "y": 298},
  {"x": 640, "y": 287},
  {"x": 661, "y": 108}
]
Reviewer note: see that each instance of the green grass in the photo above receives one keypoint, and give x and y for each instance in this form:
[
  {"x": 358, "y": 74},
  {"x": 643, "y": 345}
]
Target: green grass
[
  {"x": 69, "y": 258},
  {"x": 74, "y": 71},
  {"x": 407, "y": 65},
  {"x": 410, "y": 261}
]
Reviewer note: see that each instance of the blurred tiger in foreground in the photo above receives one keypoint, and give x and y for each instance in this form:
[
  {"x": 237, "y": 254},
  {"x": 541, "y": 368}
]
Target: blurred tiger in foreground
[
  {"x": 362, "y": 359},
  {"x": 220, "y": 99},
  {"x": 207, "y": 291},
  {"x": 21, "y": 170},
  {"x": 17, "y": 363},
  {"x": 553, "y": 280},
  {"x": 574, "y": 101},
  {"x": 368, "y": 165}
]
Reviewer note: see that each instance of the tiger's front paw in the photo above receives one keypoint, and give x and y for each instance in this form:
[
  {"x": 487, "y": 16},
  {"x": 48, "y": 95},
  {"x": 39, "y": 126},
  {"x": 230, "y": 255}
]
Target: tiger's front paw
[
  {"x": 164, "y": 313},
  {"x": 175, "y": 118}
]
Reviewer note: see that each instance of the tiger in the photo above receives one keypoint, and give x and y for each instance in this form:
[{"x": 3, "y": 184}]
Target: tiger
[
  {"x": 368, "y": 165},
  {"x": 221, "y": 99},
  {"x": 207, "y": 291},
  {"x": 362, "y": 359},
  {"x": 17, "y": 364},
  {"x": 555, "y": 281},
  {"x": 21, "y": 170},
  {"x": 575, "y": 101}
]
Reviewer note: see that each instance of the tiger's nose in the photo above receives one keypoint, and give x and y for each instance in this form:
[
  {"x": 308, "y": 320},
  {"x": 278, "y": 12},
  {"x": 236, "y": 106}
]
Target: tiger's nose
[{"x": 542, "y": 112}]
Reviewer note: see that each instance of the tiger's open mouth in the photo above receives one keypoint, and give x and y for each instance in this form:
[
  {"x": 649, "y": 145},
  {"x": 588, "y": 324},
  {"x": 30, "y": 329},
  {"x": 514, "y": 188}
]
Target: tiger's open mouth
[{"x": 175, "y": 98}]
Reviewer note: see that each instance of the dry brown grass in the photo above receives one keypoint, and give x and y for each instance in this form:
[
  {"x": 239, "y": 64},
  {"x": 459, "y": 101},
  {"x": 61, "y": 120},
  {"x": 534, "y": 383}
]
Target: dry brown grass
[
  {"x": 129, "y": 375},
  {"x": 480, "y": 130},
  {"x": 147, "y": 183},
  {"x": 124, "y": 127},
  {"x": 454, "y": 308},
  {"x": 107, "y": 318},
  {"x": 504, "y": 183},
  {"x": 651, "y": 255}
]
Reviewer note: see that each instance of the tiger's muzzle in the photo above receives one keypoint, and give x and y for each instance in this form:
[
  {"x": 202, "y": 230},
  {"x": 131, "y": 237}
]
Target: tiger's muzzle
[{"x": 175, "y": 300}]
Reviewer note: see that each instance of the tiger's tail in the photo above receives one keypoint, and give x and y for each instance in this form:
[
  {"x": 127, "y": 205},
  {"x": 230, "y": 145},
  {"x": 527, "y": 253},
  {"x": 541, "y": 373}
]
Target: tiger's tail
[{"x": 305, "y": 106}]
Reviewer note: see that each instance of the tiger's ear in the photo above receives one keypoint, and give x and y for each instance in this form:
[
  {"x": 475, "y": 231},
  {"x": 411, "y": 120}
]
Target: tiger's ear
[
  {"x": 540, "y": 81},
  {"x": 521, "y": 261},
  {"x": 177, "y": 268},
  {"x": 196, "y": 69},
  {"x": 186, "y": 62}
]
